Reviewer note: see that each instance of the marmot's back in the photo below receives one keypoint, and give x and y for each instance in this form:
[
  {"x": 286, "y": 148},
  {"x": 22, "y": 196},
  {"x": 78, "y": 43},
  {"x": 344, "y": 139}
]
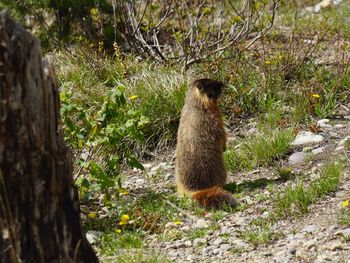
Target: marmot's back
[
  {"x": 201, "y": 140},
  {"x": 199, "y": 152}
]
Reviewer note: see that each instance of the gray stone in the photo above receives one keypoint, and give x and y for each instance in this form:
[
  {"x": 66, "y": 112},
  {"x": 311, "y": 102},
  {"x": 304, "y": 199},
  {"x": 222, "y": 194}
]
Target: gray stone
[
  {"x": 173, "y": 253},
  {"x": 306, "y": 137},
  {"x": 217, "y": 241},
  {"x": 297, "y": 158},
  {"x": 309, "y": 229},
  {"x": 201, "y": 223},
  {"x": 147, "y": 165},
  {"x": 333, "y": 135},
  {"x": 324, "y": 123},
  {"x": 240, "y": 244},
  {"x": 188, "y": 243},
  {"x": 346, "y": 232},
  {"x": 225, "y": 247},
  {"x": 140, "y": 181},
  {"x": 332, "y": 227},
  {"x": 225, "y": 230},
  {"x": 318, "y": 150},
  {"x": 199, "y": 241},
  {"x": 339, "y": 148},
  {"x": 216, "y": 251},
  {"x": 342, "y": 142},
  {"x": 93, "y": 236}
]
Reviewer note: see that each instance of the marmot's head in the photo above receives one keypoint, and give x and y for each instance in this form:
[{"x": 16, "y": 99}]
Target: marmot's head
[{"x": 212, "y": 88}]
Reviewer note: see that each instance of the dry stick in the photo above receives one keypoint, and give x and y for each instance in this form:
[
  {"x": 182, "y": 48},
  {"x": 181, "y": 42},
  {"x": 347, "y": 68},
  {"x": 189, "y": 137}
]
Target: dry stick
[{"x": 263, "y": 32}]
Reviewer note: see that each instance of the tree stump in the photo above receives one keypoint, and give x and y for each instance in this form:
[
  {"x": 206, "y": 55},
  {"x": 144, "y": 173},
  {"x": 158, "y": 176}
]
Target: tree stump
[{"x": 39, "y": 208}]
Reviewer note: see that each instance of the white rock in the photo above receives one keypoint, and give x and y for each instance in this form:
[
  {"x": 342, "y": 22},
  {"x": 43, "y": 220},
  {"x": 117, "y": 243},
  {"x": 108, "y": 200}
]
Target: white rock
[
  {"x": 297, "y": 158},
  {"x": 339, "y": 148},
  {"x": 216, "y": 251},
  {"x": 345, "y": 232},
  {"x": 93, "y": 236},
  {"x": 309, "y": 229},
  {"x": 306, "y": 137},
  {"x": 333, "y": 134},
  {"x": 225, "y": 246},
  {"x": 188, "y": 243},
  {"x": 201, "y": 223},
  {"x": 147, "y": 165},
  {"x": 217, "y": 241},
  {"x": 140, "y": 181},
  {"x": 239, "y": 243},
  {"x": 343, "y": 141},
  {"x": 199, "y": 241},
  {"x": 324, "y": 123},
  {"x": 339, "y": 126},
  {"x": 322, "y": 4},
  {"x": 318, "y": 150}
]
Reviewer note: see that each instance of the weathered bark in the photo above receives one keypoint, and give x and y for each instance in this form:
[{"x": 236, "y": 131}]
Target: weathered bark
[{"x": 39, "y": 209}]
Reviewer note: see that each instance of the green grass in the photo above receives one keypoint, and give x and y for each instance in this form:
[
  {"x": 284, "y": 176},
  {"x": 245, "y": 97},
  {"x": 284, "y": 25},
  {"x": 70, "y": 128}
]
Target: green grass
[
  {"x": 296, "y": 199},
  {"x": 259, "y": 150},
  {"x": 160, "y": 97},
  {"x": 260, "y": 232},
  {"x": 344, "y": 217},
  {"x": 197, "y": 233},
  {"x": 153, "y": 91},
  {"x": 136, "y": 256},
  {"x": 110, "y": 242},
  {"x": 347, "y": 144}
]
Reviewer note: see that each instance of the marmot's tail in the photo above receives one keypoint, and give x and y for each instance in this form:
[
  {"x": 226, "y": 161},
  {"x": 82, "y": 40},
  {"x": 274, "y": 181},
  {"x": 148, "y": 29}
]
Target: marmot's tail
[{"x": 214, "y": 197}]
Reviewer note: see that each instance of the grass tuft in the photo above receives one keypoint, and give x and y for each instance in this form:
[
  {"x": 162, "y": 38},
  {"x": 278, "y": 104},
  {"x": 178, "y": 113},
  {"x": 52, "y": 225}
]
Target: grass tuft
[
  {"x": 296, "y": 199},
  {"x": 259, "y": 150}
]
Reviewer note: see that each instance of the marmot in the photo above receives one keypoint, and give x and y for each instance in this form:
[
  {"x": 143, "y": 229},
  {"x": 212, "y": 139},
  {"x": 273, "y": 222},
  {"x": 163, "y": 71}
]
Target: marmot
[{"x": 201, "y": 140}]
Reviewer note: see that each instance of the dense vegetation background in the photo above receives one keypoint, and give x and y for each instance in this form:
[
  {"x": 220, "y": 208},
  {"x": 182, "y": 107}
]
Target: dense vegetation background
[{"x": 124, "y": 67}]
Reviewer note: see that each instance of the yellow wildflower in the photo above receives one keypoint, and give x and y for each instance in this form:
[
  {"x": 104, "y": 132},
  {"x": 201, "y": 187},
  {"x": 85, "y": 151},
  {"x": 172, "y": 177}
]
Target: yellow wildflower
[
  {"x": 345, "y": 203},
  {"x": 124, "y": 220},
  {"x": 134, "y": 97},
  {"x": 178, "y": 222},
  {"x": 118, "y": 231},
  {"x": 123, "y": 191},
  {"x": 91, "y": 215},
  {"x": 315, "y": 95}
]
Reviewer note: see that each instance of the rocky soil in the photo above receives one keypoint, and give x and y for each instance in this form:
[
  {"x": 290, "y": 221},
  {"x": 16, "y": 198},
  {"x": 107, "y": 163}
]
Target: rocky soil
[{"x": 313, "y": 237}]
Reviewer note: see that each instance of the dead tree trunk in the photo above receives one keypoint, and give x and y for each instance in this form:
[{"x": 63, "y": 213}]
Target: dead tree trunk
[{"x": 39, "y": 209}]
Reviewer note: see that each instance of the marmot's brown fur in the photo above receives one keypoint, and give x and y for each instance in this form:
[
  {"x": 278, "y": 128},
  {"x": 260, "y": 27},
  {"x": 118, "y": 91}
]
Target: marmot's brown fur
[{"x": 201, "y": 140}]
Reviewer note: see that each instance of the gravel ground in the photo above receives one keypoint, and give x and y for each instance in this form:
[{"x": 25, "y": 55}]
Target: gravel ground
[{"x": 313, "y": 237}]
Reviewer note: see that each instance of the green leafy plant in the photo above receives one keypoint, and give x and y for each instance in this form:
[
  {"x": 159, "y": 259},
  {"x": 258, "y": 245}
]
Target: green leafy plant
[{"x": 99, "y": 136}]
